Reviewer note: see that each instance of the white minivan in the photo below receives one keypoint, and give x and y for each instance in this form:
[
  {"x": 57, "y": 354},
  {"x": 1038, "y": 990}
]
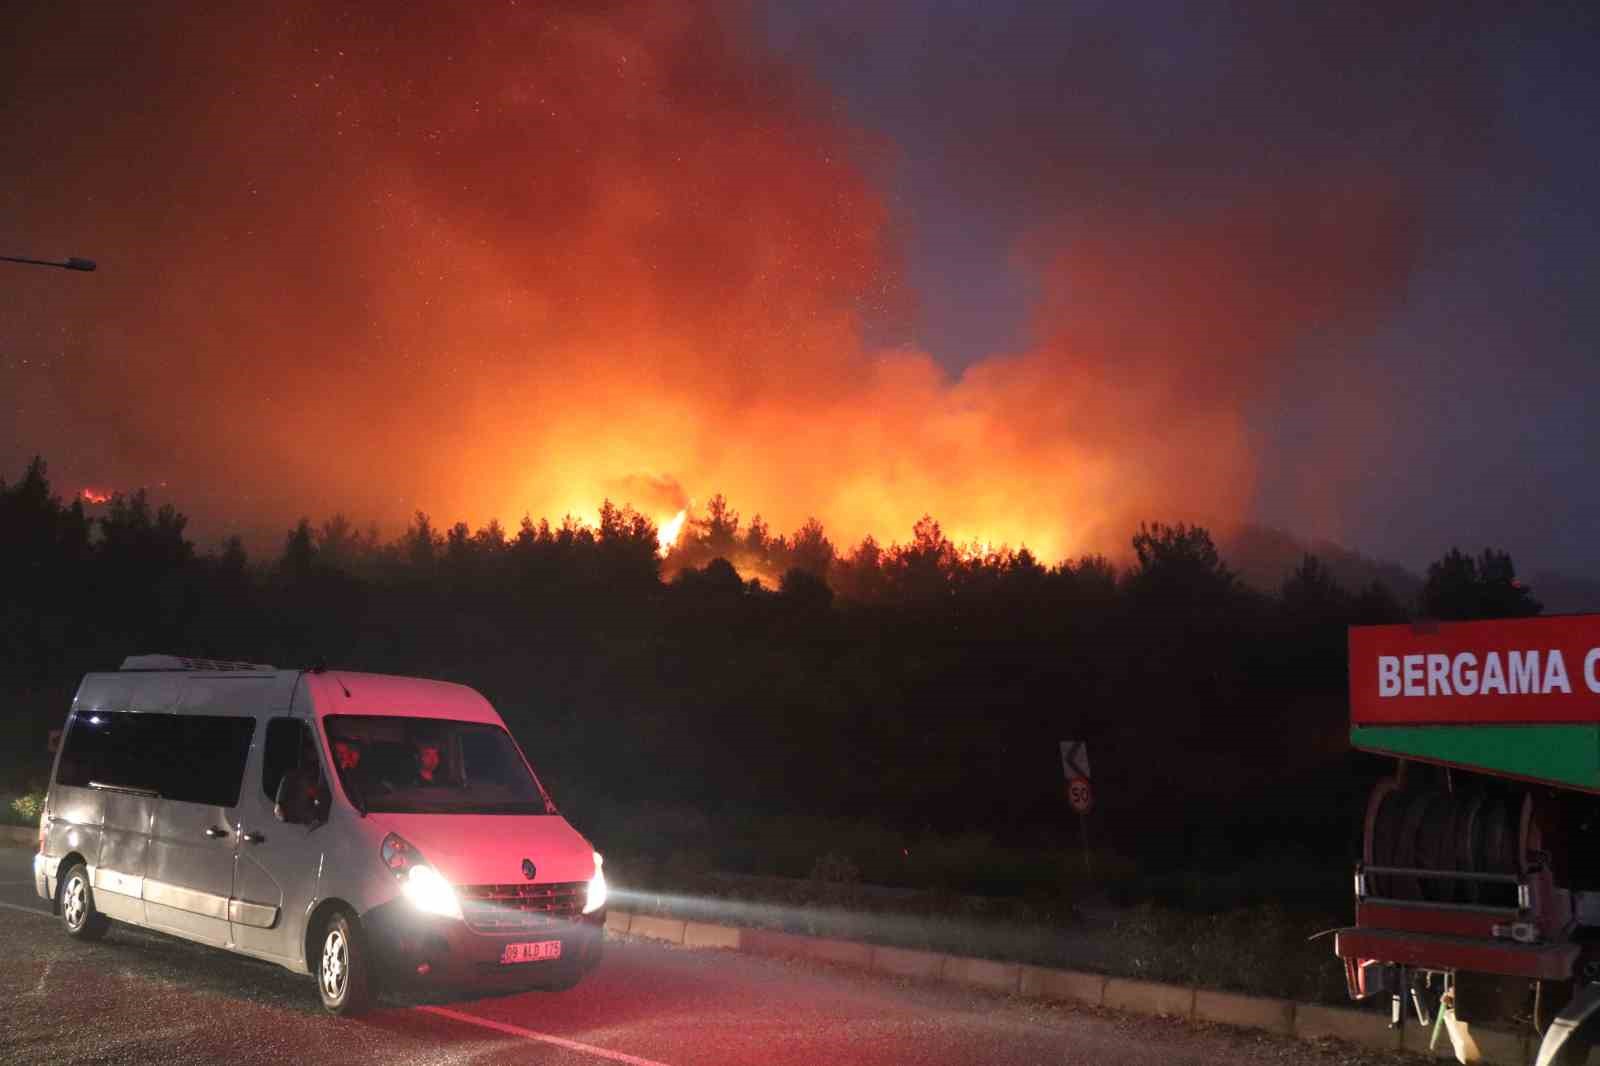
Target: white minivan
[{"x": 357, "y": 827}]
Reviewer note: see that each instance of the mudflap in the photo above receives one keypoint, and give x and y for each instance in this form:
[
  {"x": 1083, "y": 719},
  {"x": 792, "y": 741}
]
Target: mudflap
[{"x": 1563, "y": 1044}]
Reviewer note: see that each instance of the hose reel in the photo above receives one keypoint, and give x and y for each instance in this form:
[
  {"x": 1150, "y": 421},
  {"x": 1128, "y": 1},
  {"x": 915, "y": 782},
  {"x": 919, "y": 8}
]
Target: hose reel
[{"x": 1426, "y": 827}]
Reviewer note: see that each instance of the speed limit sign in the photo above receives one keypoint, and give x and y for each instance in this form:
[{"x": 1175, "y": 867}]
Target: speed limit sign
[{"x": 1080, "y": 794}]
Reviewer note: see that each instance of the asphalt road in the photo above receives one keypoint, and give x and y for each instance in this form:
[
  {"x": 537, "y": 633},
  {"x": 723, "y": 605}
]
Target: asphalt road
[{"x": 140, "y": 997}]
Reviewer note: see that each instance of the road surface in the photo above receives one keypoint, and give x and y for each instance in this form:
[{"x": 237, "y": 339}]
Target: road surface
[{"x": 139, "y": 997}]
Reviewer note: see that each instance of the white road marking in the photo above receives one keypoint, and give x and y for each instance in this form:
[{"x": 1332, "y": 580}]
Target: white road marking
[
  {"x": 543, "y": 1038},
  {"x": 27, "y": 910}
]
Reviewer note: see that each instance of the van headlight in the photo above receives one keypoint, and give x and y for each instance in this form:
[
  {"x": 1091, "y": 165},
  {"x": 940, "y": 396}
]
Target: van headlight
[
  {"x": 597, "y": 887},
  {"x": 430, "y": 893},
  {"x": 420, "y": 883}
]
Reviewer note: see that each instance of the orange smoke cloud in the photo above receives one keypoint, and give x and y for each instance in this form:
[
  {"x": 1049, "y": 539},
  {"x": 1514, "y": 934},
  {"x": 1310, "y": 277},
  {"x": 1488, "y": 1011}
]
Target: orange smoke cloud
[{"x": 487, "y": 263}]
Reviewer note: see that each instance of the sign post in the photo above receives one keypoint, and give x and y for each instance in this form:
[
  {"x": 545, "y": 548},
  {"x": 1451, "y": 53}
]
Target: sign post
[{"x": 1080, "y": 790}]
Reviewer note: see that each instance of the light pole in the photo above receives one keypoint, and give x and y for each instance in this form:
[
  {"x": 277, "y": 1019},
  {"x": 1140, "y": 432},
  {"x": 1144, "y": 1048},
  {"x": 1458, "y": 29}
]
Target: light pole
[{"x": 70, "y": 263}]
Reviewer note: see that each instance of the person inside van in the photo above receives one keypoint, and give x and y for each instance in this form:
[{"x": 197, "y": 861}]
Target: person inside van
[
  {"x": 347, "y": 753},
  {"x": 428, "y": 763},
  {"x": 429, "y": 755}
]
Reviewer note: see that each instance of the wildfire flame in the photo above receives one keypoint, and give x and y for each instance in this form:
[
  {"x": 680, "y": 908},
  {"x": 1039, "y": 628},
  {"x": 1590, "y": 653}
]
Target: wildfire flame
[
  {"x": 669, "y": 532},
  {"x": 975, "y": 550},
  {"x": 95, "y": 496}
]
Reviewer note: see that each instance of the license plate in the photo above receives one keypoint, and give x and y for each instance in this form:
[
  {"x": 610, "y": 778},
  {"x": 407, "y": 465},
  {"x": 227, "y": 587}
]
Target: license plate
[{"x": 535, "y": 951}]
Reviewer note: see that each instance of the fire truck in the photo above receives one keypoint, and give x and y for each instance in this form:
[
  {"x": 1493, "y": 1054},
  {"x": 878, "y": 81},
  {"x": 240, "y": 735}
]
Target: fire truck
[{"x": 1477, "y": 894}]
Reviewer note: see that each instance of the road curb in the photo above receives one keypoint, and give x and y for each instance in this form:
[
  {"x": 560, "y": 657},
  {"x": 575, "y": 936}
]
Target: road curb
[
  {"x": 653, "y": 928},
  {"x": 1313, "y": 1021},
  {"x": 982, "y": 973},
  {"x": 1246, "y": 1012},
  {"x": 1306, "y": 1021},
  {"x": 904, "y": 962},
  {"x": 843, "y": 952},
  {"x": 771, "y": 942},
  {"x": 1066, "y": 986},
  {"x": 706, "y": 935},
  {"x": 1150, "y": 997}
]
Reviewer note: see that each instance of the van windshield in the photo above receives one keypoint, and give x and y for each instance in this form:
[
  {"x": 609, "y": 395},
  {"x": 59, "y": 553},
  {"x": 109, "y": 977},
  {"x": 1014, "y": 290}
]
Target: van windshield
[{"x": 432, "y": 766}]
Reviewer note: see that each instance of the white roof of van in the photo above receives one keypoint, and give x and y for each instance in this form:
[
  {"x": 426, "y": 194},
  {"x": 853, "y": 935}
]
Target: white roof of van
[
  {"x": 173, "y": 682},
  {"x": 343, "y": 692},
  {"x": 185, "y": 662}
]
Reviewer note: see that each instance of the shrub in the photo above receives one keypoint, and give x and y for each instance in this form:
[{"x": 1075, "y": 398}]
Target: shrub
[{"x": 26, "y": 807}]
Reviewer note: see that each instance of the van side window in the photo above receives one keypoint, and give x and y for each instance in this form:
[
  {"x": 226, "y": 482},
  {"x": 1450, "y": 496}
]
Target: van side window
[
  {"x": 101, "y": 747},
  {"x": 218, "y": 748},
  {"x": 288, "y": 745},
  {"x": 195, "y": 758}
]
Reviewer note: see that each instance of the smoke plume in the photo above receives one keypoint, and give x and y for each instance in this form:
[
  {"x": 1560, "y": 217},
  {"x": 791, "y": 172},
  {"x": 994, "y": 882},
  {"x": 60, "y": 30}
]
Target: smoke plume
[{"x": 487, "y": 260}]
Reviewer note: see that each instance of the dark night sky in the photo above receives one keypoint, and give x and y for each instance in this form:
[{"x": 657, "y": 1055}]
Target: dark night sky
[{"x": 1040, "y": 269}]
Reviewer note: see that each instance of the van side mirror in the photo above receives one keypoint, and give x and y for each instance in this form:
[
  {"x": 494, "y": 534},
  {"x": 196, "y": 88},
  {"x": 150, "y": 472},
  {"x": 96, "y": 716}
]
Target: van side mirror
[{"x": 302, "y": 798}]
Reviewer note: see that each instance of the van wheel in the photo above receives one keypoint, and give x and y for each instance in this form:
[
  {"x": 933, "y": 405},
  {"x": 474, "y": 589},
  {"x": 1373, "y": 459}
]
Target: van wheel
[
  {"x": 75, "y": 899},
  {"x": 344, "y": 977}
]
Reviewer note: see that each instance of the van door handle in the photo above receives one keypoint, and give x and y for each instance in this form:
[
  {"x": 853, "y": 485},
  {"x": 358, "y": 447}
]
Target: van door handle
[
  {"x": 253, "y": 838},
  {"x": 214, "y": 833}
]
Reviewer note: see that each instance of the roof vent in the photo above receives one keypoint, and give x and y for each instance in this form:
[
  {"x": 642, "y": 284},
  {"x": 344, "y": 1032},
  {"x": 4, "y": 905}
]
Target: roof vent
[{"x": 184, "y": 662}]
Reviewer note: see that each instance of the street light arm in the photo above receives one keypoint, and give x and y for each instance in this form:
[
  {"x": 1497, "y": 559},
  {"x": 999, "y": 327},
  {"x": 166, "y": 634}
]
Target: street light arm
[{"x": 71, "y": 263}]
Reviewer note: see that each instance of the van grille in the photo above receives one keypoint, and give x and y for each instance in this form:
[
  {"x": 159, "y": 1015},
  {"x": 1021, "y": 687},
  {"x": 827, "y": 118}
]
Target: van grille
[{"x": 510, "y": 908}]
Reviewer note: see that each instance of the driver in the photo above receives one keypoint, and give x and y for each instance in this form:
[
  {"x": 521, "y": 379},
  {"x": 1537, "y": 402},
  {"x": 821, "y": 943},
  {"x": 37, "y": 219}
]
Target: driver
[{"x": 347, "y": 753}]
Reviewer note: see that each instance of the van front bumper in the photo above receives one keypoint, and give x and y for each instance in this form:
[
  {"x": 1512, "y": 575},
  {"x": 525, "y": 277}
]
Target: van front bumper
[
  {"x": 412, "y": 946},
  {"x": 42, "y": 869}
]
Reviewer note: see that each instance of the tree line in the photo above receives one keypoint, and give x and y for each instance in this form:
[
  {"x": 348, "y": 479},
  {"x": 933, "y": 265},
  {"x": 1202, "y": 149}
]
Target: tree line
[{"x": 918, "y": 685}]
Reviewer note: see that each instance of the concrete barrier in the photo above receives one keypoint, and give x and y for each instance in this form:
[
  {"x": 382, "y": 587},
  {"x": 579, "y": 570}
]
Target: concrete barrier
[
  {"x": 19, "y": 834},
  {"x": 706, "y": 935},
  {"x": 1250, "y": 1012},
  {"x": 1148, "y": 997},
  {"x": 984, "y": 973},
  {"x": 903, "y": 962},
  {"x": 657, "y": 928},
  {"x": 1063, "y": 985},
  {"x": 1367, "y": 1028},
  {"x": 617, "y": 921}
]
